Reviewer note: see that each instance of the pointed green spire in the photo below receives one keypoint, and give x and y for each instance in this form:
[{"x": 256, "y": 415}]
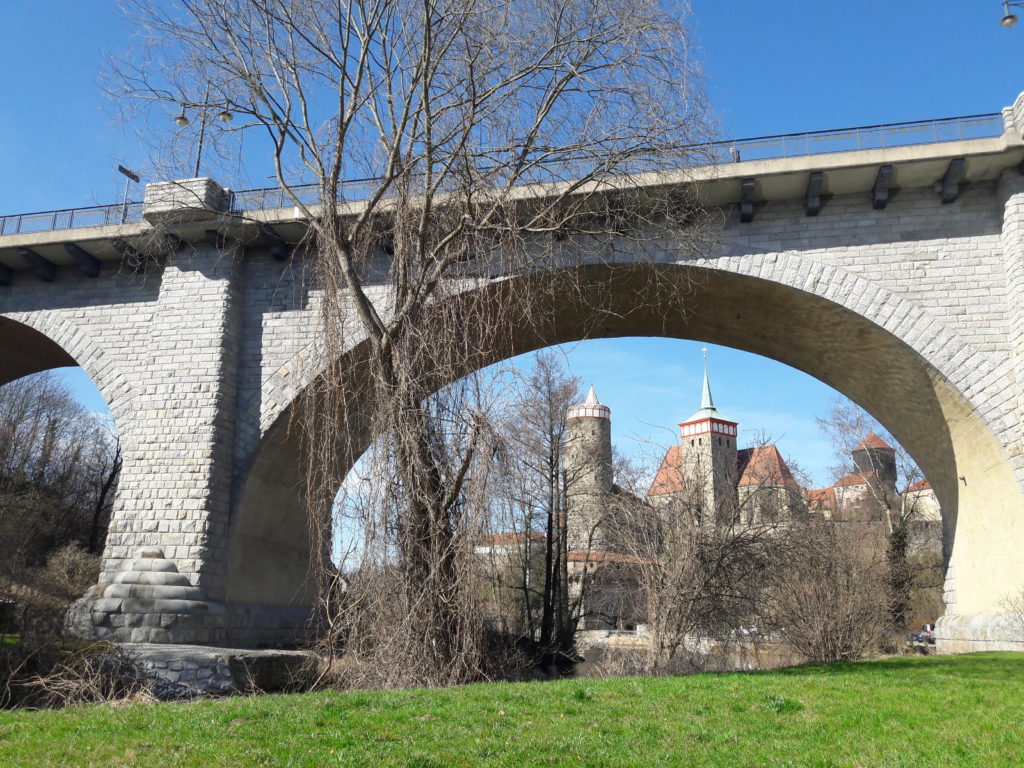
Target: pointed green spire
[{"x": 706, "y": 401}]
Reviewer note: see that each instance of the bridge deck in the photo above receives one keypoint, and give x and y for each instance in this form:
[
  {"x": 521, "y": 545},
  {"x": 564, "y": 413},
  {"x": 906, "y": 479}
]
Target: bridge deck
[{"x": 780, "y": 166}]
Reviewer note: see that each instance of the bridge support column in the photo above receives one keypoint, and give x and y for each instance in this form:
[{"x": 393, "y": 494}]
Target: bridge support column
[
  {"x": 164, "y": 567},
  {"x": 1011, "y": 193},
  {"x": 984, "y": 570}
]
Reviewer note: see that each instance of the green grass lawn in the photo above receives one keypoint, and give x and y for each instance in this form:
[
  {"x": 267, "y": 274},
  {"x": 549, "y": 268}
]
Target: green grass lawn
[{"x": 936, "y": 711}]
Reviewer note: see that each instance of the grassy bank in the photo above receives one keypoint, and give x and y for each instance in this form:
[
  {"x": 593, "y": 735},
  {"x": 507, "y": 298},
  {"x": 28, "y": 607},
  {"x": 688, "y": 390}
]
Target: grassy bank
[{"x": 936, "y": 711}]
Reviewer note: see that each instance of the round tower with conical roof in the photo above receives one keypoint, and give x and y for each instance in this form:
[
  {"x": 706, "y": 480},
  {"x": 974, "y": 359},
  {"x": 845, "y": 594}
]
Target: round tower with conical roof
[
  {"x": 875, "y": 455},
  {"x": 588, "y": 472}
]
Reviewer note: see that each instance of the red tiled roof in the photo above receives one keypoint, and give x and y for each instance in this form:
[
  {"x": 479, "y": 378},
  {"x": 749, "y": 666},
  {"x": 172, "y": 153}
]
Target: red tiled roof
[
  {"x": 857, "y": 478},
  {"x": 871, "y": 440},
  {"x": 608, "y": 557},
  {"x": 764, "y": 465},
  {"x": 821, "y": 498},
  {"x": 670, "y": 475},
  {"x": 921, "y": 485},
  {"x": 506, "y": 539}
]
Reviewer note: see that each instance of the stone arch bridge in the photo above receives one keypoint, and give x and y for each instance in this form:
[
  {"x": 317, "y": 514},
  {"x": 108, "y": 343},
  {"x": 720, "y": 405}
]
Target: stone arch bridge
[{"x": 890, "y": 266}]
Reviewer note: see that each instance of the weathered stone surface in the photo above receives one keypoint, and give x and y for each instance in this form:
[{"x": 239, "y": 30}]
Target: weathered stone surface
[
  {"x": 184, "y": 200},
  {"x": 979, "y": 632},
  {"x": 205, "y": 669}
]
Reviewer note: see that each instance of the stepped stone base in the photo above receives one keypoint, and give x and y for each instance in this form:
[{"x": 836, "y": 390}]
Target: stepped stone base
[
  {"x": 979, "y": 632},
  {"x": 151, "y": 602},
  {"x": 204, "y": 670}
]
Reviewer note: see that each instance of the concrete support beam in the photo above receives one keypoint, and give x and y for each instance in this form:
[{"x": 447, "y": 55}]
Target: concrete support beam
[
  {"x": 88, "y": 264},
  {"x": 813, "y": 197},
  {"x": 44, "y": 268},
  {"x": 950, "y": 187},
  {"x": 880, "y": 191},
  {"x": 747, "y": 200},
  {"x": 279, "y": 248}
]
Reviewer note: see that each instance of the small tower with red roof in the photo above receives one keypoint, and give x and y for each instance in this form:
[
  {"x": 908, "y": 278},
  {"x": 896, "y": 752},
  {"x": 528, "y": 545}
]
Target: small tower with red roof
[{"x": 875, "y": 455}]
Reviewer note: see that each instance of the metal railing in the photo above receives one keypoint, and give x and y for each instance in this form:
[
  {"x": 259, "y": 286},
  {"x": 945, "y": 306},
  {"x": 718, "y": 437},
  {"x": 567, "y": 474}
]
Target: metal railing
[
  {"x": 864, "y": 137},
  {"x": 70, "y": 218},
  {"x": 758, "y": 148}
]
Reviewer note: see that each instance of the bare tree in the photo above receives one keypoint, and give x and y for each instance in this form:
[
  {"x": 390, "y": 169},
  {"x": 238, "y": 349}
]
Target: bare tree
[
  {"x": 58, "y": 471},
  {"x": 535, "y": 483},
  {"x": 912, "y": 544},
  {"x": 827, "y": 599},
  {"x": 495, "y": 140},
  {"x": 59, "y": 466}
]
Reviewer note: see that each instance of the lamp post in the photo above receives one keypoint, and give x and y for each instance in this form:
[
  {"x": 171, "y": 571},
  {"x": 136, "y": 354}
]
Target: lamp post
[
  {"x": 182, "y": 121},
  {"x": 1009, "y": 19},
  {"x": 130, "y": 176}
]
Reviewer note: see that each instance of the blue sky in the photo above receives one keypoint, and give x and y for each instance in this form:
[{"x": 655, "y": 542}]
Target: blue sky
[{"x": 776, "y": 66}]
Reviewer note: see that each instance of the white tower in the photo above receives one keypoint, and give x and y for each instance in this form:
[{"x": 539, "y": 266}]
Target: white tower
[
  {"x": 588, "y": 472},
  {"x": 708, "y": 448}
]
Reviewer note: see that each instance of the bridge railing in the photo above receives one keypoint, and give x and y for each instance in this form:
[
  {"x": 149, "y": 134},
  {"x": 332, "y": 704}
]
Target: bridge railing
[
  {"x": 864, "y": 137},
  {"x": 70, "y": 218},
  {"x": 758, "y": 148}
]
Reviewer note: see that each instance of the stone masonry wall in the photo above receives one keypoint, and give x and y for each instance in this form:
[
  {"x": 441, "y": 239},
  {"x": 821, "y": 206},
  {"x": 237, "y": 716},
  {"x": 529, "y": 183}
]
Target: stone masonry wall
[{"x": 175, "y": 491}]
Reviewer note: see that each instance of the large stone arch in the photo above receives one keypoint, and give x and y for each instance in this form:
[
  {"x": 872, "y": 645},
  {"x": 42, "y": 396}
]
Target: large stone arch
[{"x": 939, "y": 398}]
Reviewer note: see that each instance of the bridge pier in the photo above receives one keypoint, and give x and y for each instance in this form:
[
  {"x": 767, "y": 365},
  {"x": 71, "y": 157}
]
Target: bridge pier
[
  {"x": 981, "y": 561},
  {"x": 164, "y": 568}
]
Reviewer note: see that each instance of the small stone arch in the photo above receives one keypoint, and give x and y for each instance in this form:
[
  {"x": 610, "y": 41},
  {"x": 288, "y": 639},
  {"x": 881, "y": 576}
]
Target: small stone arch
[{"x": 38, "y": 342}]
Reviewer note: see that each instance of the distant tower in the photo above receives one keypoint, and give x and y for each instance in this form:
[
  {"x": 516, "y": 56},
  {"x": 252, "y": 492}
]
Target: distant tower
[
  {"x": 588, "y": 472},
  {"x": 709, "y": 456},
  {"x": 873, "y": 454}
]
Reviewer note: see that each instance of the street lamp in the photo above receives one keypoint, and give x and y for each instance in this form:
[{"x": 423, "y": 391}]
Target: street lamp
[
  {"x": 1009, "y": 19},
  {"x": 129, "y": 177},
  {"x": 182, "y": 121}
]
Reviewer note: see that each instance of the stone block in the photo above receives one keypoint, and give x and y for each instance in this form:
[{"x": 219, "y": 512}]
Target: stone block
[
  {"x": 184, "y": 200},
  {"x": 155, "y": 578}
]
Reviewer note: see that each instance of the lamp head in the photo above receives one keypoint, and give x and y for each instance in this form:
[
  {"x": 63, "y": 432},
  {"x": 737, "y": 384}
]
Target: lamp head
[
  {"x": 225, "y": 116},
  {"x": 1009, "y": 19},
  {"x": 182, "y": 120}
]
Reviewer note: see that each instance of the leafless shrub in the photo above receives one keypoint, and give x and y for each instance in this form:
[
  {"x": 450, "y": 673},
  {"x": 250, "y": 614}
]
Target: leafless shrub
[
  {"x": 40, "y": 597},
  {"x": 1013, "y": 607},
  {"x": 829, "y": 601},
  {"x": 61, "y": 673},
  {"x": 700, "y": 576}
]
